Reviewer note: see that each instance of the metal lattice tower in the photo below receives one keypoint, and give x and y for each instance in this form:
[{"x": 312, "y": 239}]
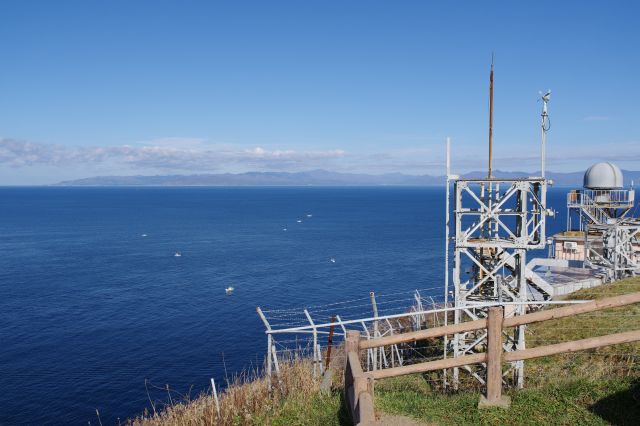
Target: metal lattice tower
[
  {"x": 611, "y": 236},
  {"x": 597, "y": 207},
  {"x": 496, "y": 221},
  {"x": 616, "y": 248}
]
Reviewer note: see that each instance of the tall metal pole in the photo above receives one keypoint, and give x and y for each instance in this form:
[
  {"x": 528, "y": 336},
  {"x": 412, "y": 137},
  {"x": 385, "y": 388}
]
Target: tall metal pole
[
  {"x": 372, "y": 295},
  {"x": 490, "y": 116},
  {"x": 545, "y": 127},
  {"x": 446, "y": 232},
  {"x": 446, "y": 251}
]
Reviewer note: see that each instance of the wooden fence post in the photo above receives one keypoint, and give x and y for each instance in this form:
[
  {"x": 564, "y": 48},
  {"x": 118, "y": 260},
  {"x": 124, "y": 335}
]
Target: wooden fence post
[
  {"x": 358, "y": 386},
  {"x": 352, "y": 341},
  {"x": 494, "y": 397},
  {"x": 351, "y": 345}
]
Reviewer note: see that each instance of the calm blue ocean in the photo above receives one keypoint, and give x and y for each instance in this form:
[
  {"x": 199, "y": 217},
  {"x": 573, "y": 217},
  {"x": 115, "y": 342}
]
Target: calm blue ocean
[{"x": 90, "y": 308}]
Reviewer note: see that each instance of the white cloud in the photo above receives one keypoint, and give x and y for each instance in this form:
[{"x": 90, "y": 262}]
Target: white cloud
[
  {"x": 173, "y": 154},
  {"x": 184, "y": 143},
  {"x": 192, "y": 155}
]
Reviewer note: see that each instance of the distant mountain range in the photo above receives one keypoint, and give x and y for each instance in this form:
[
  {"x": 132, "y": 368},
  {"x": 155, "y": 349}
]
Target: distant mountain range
[{"x": 314, "y": 178}]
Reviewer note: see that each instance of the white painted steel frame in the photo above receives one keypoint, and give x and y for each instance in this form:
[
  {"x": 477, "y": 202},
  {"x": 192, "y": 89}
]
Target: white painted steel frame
[{"x": 494, "y": 243}]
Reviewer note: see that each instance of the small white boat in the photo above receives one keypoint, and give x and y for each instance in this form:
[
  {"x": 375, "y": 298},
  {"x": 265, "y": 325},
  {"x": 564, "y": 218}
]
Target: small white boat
[
  {"x": 229, "y": 290},
  {"x": 332, "y": 260},
  {"x": 309, "y": 215},
  {"x": 143, "y": 235},
  {"x": 299, "y": 220},
  {"x": 177, "y": 254},
  {"x": 284, "y": 229}
]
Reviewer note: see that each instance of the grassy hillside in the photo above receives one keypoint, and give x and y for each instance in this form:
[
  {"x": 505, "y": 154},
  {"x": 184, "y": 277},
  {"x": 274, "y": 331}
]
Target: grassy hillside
[
  {"x": 295, "y": 400},
  {"x": 595, "y": 387},
  {"x": 599, "y": 386}
]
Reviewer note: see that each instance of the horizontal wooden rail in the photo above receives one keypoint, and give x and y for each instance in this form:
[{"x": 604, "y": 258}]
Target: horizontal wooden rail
[
  {"x": 606, "y": 303},
  {"x": 559, "y": 348},
  {"x": 424, "y": 334},
  {"x": 574, "y": 346},
  {"x": 359, "y": 385},
  {"x": 567, "y": 311},
  {"x": 429, "y": 366}
]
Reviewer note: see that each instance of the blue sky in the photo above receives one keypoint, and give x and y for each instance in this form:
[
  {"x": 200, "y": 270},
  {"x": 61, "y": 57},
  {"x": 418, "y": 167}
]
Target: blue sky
[{"x": 155, "y": 87}]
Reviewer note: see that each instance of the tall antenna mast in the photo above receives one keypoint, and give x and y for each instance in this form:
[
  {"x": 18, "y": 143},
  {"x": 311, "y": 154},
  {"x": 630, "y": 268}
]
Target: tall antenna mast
[
  {"x": 545, "y": 129},
  {"x": 490, "y": 115}
]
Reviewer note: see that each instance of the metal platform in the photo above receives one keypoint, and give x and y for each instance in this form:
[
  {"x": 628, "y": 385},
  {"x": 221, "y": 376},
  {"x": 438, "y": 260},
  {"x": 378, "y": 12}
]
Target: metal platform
[{"x": 566, "y": 280}]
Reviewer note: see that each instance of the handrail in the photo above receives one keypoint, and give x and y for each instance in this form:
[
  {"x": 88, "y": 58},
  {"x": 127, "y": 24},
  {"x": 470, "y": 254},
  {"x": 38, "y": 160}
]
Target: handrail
[
  {"x": 596, "y": 305},
  {"x": 423, "y": 367},
  {"x": 359, "y": 384},
  {"x": 573, "y": 346},
  {"x": 424, "y": 334}
]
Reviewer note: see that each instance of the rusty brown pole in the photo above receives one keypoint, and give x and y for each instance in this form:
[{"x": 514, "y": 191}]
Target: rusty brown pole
[
  {"x": 490, "y": 116},
  {"x": 330, "y": 342}
]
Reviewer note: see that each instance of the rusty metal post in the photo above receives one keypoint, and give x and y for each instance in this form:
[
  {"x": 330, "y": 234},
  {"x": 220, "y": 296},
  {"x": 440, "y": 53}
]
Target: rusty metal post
[{"x": 329, "y": 342}]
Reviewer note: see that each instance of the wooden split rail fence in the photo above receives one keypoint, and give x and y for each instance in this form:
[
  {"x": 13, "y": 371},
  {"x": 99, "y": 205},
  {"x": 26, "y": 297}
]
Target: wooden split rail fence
[{"x": 359, "y": 384}]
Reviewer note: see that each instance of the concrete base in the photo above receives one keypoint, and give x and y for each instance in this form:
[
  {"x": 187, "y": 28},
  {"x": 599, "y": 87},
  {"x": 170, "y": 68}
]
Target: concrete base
[
  {"x": 327, "y": 381},
  {"x": 504, "y": 402}
]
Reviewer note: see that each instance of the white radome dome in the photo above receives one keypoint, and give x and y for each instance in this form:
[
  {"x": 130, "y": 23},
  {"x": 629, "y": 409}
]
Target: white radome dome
[{"x": 603, "y": 176}]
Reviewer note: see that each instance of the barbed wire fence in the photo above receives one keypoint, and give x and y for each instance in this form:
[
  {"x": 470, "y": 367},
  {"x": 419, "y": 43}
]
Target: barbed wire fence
[{"x": 313, "y": 331}]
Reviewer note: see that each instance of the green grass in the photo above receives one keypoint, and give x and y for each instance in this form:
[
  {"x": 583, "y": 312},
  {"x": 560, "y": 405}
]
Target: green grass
[
  {"x": 595, "y": 387},
  {"x": 605, "y": 362},
  {"x": 318, "y": 410},
  {"x": 578, "y": 402}
]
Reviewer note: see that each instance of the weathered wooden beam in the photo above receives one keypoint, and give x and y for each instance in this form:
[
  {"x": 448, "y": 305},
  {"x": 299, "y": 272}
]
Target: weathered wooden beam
[
  {"x": 358, "y": 384},
  {"x": 494, "y": 353},
  {"x": 493, "y": 397},
  {"x": 430, "y": 366},
  {"x": 567, "y": 311},
  {"x": 354, "y": 361},
  {"x": 365, "y": 412},
  {"x": 352, "y": 370},
  {"x": 574, "y": 346},
  {"x": 414, "y": 336},
  {"x": 606, "y": 303}
]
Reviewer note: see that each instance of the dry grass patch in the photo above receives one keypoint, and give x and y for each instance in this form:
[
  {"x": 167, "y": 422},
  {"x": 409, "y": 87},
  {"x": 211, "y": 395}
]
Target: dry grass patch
[{"x": 294, "y": 400}]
